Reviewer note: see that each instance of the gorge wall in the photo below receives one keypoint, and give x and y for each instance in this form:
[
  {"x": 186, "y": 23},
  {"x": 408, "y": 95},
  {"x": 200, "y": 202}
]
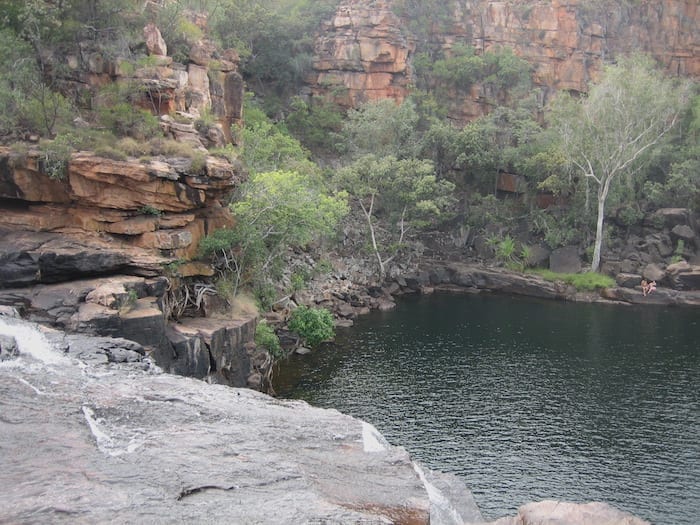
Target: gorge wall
[
  {"x": 100, "y": 243},
  {"x": 366, "y": 51}
]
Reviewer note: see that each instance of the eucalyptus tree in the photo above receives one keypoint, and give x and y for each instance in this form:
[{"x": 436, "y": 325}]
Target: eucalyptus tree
[
  {"x": 395, "y": 196},
  {"x": 606, "y": 134}
]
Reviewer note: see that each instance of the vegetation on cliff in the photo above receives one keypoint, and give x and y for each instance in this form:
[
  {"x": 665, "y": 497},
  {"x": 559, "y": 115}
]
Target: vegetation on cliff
[{"x": 406, "y": 168}]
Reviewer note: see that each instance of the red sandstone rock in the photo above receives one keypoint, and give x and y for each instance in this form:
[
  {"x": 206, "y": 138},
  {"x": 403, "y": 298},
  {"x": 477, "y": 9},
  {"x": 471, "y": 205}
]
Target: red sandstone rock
[{"x": 365, "y": 52}]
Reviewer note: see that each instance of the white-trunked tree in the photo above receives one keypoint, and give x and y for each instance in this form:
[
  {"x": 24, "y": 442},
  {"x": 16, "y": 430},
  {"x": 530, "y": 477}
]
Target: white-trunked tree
[{"x": 607, "y": 134}]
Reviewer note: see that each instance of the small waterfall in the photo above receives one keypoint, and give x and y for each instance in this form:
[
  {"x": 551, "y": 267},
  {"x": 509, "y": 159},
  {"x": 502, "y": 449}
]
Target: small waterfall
[{"x": 31, "y": 341}]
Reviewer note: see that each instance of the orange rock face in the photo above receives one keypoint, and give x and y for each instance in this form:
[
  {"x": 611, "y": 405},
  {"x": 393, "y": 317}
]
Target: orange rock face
[
  {"x": 363, "y": 55},
  {"x": 158, "y": 205},
  {"x": 365, "y": 51}
]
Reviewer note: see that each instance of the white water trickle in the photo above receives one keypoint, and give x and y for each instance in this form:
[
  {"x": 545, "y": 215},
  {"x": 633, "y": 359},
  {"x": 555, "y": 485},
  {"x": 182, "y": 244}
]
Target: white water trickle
[
  {"x": 441, "y": 510},
  {"x": 31, "y": 342},
  {"x": 372, "y": 439}
]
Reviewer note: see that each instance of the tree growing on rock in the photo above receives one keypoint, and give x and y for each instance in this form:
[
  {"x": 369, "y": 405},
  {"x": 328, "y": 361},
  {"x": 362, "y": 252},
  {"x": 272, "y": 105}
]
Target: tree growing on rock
[
  {"x": 395, "y": 196},
  {"x": 275, "y": 210},
  {"x": 606, "y": 135}
]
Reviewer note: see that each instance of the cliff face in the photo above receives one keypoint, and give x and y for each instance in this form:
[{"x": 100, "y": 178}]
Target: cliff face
[
  {"x": 98, "y": 247},
  {"x": 365, "y": 52}
]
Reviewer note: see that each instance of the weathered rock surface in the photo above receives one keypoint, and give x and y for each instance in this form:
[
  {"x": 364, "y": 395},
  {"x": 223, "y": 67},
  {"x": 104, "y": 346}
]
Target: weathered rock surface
[
  {"x": 160, "y": 204},
  {"x": 87, "y": 284},
  {"x": 566, "y": 513},
  {"x": 113, "y": 443},
  {"x": 492, "y": 279},
  {"x": 366, "y": 53},
  {"x": 565, "y": 260}
]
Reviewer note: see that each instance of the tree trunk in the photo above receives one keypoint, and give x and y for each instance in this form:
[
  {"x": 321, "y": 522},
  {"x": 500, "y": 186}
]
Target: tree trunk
[{"x": 602, "y": 197}]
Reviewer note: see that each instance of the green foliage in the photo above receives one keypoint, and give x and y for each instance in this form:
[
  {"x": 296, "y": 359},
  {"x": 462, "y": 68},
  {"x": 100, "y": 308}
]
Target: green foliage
[
  {"x": 56, "y": 154},
  {"x": 273, "y": 38},
  {"x": 269, "y": 147},
  {"x": 317, "y": 125},
  {"x": 28, "y": 99},
  {"x": 381, "y": 128},
  {"x": 679, "y": 253},
  {"x": 588, "y": 281},
  {"x": 395, "y": 195},
  {"x": 110, "y": 152},
  {"x": 150, "y": 210},
  {"x": 607, "y": 136},
  {"x": 274, "y": 211},
  {"x": 266, "y": 337},
  {"x": 313, "y": 325},
  {"x": 501, "y": 74},
  {"x": 117, "y": 111},
  {"x": 506, "y": 251}
]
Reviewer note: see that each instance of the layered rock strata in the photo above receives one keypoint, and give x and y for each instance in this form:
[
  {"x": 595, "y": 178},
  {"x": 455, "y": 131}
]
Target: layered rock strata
[
  {"x": 84, "y": 283},
  {"x": 161, "y": 204}
]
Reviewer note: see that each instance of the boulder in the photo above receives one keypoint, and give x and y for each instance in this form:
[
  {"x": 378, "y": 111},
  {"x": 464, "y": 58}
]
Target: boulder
[
  {"x": 565, "y": 260},
  {"x": 565, "y": 513},
  {"x": 539, "y": 256},
  {"x": 154, "y": 41},
  {"x": 628, "y": 280},
  {"x": 476, "y": 277},
  {"x": 654, "y": 272},
  {"x": 669, "y": 217},
  {"x": 684, "y": 276},
  {"x": 231, "y": 359},
  {"x": 8, "y": 347},
  {"x": 683, "y": 232}
]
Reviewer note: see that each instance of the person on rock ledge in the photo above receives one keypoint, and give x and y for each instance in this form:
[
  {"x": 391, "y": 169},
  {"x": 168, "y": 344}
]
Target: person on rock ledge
[{"x": 648, "y": 287}]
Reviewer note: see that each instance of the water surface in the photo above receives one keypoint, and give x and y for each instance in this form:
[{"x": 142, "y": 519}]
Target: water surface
[{"x": 528, "y": 400}]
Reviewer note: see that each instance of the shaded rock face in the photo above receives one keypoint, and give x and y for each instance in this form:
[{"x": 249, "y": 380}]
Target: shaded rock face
[
  {"x": 365, "y": 49},
  {"x": 86, "y": 284}
]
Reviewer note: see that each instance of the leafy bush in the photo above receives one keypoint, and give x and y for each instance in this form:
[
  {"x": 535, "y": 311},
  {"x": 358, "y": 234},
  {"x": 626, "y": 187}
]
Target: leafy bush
[
  {"x": 588, "y": 281},
  {"x": 56, "y": 154},
  {"x": 678, "y": 254},
  {"x": 314, "y": 325},
  {"x": 109, "y": 152},
  {"x": 266, "y": 337}
]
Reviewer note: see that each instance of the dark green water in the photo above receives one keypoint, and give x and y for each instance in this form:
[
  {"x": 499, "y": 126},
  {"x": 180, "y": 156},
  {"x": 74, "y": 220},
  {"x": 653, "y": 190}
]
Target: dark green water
[{"x": 527, "y": 400}]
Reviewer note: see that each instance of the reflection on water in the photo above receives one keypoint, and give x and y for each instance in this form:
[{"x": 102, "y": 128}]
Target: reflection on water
[{"x": 528, "y": 400}]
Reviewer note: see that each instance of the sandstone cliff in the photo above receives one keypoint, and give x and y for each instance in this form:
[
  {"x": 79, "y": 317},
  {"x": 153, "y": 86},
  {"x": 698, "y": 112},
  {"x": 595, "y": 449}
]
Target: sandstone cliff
[
  {"x": 98, "y": 247},
  {"x": 365, "y": 52}
]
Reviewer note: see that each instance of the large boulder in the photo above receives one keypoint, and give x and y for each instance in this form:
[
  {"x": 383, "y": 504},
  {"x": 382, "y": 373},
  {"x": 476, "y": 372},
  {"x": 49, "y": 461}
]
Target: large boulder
[
  {"x": 684, "y": 276},
  {"x": 159, "y": 448},
  {"x": 551, "y": 512},
  {"x": 565, "y": 260}
]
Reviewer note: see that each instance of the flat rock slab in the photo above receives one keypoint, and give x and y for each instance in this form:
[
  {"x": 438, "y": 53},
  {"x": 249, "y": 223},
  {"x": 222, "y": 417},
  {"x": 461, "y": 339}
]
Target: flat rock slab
[{"x": 116, "y": 444}]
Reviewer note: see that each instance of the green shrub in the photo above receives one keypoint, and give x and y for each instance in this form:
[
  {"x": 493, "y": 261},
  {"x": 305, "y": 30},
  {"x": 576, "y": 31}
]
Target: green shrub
[
  {"x": 171, "y": 148},
  {"x": 150, "y": 210},
  {"x": 313, "y": 325},
  {"x": 56, "y": 154},
  {"x": 109, "y": 152},
  {"x": 678, "y": 254},
  {"x": 266, "y": 337},
  {"x": 588, "y": 281}
]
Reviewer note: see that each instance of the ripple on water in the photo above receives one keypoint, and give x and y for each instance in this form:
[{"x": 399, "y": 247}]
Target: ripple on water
[{"x": 528, "y": 400}]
